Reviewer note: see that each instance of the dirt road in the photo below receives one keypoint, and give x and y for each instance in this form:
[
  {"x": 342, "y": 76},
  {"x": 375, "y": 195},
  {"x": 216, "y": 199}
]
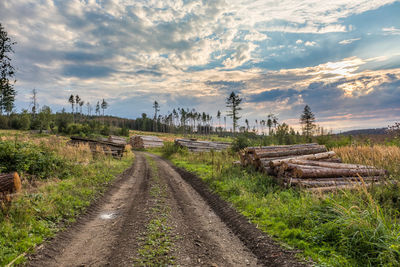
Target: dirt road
[{"x": 155, "y": 214}]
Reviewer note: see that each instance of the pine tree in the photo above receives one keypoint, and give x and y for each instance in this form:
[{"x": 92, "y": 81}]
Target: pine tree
[
  {"x": 104, "y": 105},
  {"x": 77, "y": 100},
  {"x": 156, "y": 107},
  {"x": 71, "y": 100},
  {"x": 233, "y": 102},
  {"x": 98, "y": 108},
  {"x": 7, "y": 91},
  {"x": 307, "y": 120}
]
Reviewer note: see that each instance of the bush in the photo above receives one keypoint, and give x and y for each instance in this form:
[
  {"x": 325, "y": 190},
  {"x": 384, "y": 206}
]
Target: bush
[
  {"x": 239, "y": 143},
  {"x": 29, "y": 158}
]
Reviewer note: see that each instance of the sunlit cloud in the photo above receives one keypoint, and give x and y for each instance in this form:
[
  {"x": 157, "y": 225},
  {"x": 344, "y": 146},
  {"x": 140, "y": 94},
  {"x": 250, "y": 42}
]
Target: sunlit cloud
[{"x": 278, "y": 56}]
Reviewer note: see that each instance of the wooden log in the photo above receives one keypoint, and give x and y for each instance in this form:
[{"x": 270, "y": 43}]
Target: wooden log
[
  {"x": 319, "y": 172},
  {"x": 329, "y": 164},
  {"x": 259, "y": 148},
  {"x": 10, "y": 183},
  {"x": 331, "y": 181},
  {"x": 318, "y": 156},
  {"x": 292, "y": 152},
  {"x": 338, "y": 187}
]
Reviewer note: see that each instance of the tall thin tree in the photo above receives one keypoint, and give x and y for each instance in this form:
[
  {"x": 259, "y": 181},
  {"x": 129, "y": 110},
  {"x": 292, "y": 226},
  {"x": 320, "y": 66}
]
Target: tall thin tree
[
  {"x": 7, "y": 73},
  {"x": 156, "y": 107},
  {"x": 307, "y": 120},
  {"x": 233, "y": 102}
]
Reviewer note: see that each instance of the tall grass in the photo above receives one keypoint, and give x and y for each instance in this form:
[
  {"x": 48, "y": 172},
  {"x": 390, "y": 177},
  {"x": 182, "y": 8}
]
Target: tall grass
[
  {"x": 348, "y": 228},
  {"x": 381, "y": 156}
]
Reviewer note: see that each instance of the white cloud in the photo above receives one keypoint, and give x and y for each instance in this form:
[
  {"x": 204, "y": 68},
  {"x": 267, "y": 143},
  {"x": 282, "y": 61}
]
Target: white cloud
[
  {"x": 255, "y": 36},
  {"x": 308, "y": 43},
  {"x": 299, "y": 41},
  {"x": 391, "y": 30},
  {"x": 241, "y": 55},
  {"x": 349, "y": 41}
]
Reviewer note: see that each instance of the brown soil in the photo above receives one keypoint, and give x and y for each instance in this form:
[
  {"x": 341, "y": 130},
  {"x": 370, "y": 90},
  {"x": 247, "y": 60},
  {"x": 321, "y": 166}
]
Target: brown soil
[{"x": 206, "y": 230}]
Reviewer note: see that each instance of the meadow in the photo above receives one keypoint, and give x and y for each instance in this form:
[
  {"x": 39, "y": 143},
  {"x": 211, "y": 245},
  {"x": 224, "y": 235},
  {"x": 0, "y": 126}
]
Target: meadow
[
  {"x": 59, "y": 183},
  {"x": 345, "y": 228}
]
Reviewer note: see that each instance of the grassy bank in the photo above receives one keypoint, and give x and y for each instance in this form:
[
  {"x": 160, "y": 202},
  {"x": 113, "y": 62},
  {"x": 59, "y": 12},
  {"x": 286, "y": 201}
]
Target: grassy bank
[
  {"x": 68, "y": 180},
  {"x": 357, "y": 228}
]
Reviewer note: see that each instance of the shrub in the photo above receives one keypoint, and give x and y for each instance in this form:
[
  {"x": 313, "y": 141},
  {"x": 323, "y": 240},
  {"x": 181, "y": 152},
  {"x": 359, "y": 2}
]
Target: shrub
[
  {"x": 29, "y": 158},
  {"x": 240, "y": 143}
]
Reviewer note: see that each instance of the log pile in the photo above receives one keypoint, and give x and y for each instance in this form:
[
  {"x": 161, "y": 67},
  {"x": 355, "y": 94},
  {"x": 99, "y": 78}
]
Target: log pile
[
  {"x": 144, "y": 141},
  {"x": 9, "y": 183},
  {"x": 201, "y": 146},
  {"x": 117, "y": 140},
  {"x": 109, "y": 148},
  {"x": 309, "y": 166}
]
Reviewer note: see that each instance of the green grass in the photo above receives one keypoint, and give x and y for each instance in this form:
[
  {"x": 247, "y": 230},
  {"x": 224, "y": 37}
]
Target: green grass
[
  {"x": 344, "y": 229},
  {"x": 40, "y": 211},
  {"x": 157, "y": 243}
]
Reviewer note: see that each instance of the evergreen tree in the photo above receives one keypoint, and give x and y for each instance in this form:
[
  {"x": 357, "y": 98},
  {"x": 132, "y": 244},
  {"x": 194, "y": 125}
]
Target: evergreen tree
[
  {"x": 307, "y": 120},
  {"x": 71, "y": 100},
  {"x": 98, "y": 108},
  {"x": 156, "y": 107},
  {"x": 7, "y": 91},
  {"x": 77, "y": 100},
  {"x": 104, "y": 105},
  {"x": 233, "y": 102}
]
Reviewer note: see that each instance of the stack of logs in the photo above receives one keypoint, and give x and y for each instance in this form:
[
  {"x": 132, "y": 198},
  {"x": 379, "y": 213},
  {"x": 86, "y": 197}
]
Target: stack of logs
[
  {"x": 309, "y": 166},
  {"x": 117, "y": 140},
  {"x": 201, "y": 146},
  {"x": 116, "y": 149},
  {"x": 9, "y": 183},
  {"x": 143, "y": 141}
]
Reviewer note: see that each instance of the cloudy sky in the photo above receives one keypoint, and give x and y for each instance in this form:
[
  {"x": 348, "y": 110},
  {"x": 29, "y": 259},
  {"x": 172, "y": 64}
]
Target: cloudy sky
[{"x": 340, "y": 57}]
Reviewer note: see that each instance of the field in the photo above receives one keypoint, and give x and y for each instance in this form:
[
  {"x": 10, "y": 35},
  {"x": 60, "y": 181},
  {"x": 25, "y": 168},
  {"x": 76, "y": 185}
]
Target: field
[
  {"x": 347, "y": 228},
  {"x": 59, "y": 182}
]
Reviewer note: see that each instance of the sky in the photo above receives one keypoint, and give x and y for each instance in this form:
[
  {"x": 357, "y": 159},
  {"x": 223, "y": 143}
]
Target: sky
[{"x": 342, "y": 58}]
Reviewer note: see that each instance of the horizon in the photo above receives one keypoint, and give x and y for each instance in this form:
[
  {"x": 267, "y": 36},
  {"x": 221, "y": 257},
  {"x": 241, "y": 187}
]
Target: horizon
[{"x": 342, "y": 59}]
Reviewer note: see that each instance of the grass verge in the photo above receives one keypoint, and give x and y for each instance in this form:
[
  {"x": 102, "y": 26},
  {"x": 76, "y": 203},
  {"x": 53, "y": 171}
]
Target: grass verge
[
  {"x": 350, "y": 228},
  {"x": 48, "y": 204},
  {"x": 157, "y": 243}
]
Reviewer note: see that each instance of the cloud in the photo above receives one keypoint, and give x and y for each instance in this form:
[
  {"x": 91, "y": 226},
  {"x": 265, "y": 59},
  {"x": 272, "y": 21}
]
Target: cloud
[
  {"x": 241, "y": 55},
  {"x": 171, "y": 49},
  {"x": 391, "y": 30},
  {"x": 308, "y": 43},
  {"x": 255, "y": 36},
  {"x": 348, "y": 41}
]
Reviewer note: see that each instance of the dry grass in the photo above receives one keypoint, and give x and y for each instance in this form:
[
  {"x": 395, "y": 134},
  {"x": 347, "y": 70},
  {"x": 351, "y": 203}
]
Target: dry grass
[{"x": 381, "y": 156}]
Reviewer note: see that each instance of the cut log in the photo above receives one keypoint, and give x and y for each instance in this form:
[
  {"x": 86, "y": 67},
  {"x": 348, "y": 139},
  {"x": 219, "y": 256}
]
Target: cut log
[
  {"x": 320, "y": 172},
  {"x": 291, "y": 152},
  {"x": 331, "y": 181},
  {"x": 338, "y": 187},
  {"x": 318, "y": 156},
  {"x": 267, "y": 148},
  {"x": 330, "y": 164},
  {"x": 201, "y": 146},
  {"x": 10, "y": 183}
]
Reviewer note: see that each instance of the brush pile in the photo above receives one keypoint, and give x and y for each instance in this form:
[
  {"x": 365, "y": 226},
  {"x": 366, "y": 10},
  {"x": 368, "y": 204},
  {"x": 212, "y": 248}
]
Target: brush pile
[
  {"x": 201, "y": 146},
  {"x": 309, "y": 166},
  {"x": 143, "y": 141},
  {"x": 109, "y": 148}
]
